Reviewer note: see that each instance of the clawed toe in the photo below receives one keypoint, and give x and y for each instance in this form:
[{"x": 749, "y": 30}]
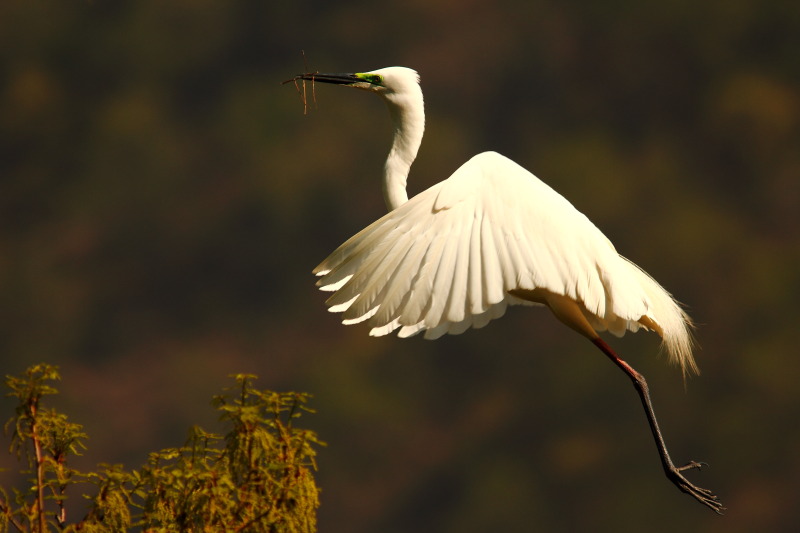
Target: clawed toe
[
  {"x": 706, "y": 497},
  {"x": 692, "y": 465}
]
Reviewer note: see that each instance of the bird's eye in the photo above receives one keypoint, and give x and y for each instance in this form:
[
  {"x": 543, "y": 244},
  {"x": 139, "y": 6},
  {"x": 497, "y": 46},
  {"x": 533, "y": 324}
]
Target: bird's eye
[{"x": 374, "y": 79}]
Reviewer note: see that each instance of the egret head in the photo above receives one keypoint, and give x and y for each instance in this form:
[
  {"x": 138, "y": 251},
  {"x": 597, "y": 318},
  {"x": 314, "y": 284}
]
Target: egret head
[{"x": 395, "y": 84}]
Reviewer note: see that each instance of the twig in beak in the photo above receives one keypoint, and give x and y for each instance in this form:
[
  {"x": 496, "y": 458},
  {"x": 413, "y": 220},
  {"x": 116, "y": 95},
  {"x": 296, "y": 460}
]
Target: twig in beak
[{"x": 303, "y": 78}]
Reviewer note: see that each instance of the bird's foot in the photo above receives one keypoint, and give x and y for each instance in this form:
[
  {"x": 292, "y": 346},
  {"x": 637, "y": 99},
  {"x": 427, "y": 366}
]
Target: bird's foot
[{"x": 704, "y": 496}]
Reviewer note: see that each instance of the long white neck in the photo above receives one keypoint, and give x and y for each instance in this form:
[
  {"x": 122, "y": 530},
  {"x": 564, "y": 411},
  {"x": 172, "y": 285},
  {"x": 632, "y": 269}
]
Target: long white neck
[{"x": 408, "y": 116}]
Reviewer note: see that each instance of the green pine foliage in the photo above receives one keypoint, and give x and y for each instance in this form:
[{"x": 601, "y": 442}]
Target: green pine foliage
[{"x": 256, "y": 477}]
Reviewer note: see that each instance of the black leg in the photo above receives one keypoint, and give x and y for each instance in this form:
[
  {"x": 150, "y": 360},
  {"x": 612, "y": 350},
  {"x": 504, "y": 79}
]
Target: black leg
[{"x": 704, "y": 496}]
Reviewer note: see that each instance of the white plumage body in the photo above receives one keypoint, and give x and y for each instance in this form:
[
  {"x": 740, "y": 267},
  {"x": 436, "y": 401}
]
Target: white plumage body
[{"x": 447, "y": 259}]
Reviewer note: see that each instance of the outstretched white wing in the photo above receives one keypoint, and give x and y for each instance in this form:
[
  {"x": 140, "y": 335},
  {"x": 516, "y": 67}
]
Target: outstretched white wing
[{"x": 445, "y": 260}]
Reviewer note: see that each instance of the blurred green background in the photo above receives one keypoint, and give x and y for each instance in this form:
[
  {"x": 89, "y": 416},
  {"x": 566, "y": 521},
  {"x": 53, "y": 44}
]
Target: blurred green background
[{"x": 163, "y": 200}]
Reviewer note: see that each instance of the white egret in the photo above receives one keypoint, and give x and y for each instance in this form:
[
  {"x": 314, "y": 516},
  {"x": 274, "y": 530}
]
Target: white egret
[{"x": 492, "y": 235}]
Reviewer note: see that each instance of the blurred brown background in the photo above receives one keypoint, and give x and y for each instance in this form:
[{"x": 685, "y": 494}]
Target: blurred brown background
[{"x": 163, "y": 200}]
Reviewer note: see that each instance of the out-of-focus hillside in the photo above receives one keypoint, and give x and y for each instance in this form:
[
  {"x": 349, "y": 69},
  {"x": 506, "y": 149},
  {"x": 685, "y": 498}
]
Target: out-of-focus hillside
[{"x": 163, "y": 200}]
